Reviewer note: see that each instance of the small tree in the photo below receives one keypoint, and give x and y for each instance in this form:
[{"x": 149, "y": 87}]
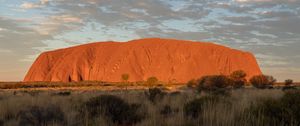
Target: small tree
[
  {"x": 288, "y": 85},
  {"x": 262, "y": 81},
  {"x": 288, "y": 82},
  {"x": 239, "y": 78},
  {"x": 214, "y": 84},
  {"x": 125, "y": 77},
  {"x": 151, "y": 81}
]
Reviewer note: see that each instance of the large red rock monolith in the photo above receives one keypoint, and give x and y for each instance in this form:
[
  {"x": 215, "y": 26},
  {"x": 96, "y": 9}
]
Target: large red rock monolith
[{"x": 166, "y": 59}]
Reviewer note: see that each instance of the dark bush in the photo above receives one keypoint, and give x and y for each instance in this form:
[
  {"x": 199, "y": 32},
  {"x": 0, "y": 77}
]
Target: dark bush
[
  {"x": 66, "y": 93},
  {"x": 9, "y": 116},
  {"x": 114, "y": 109},
  {"x": 238, "y": 79},
  {"x": 288, "y": 82},
  {"x": 288, "y": 85},
  {"x": 239, "y": 74},
  {"x": 284, "y": 111},
  {"x": 154, "y": 94},
  {"x": 41, "y": 116},
  {"x": 262, "y": 81},
  {"x": 238, "y": 84},
  {"x": 167, "y": 110},
  {"x": 268, "y": 111},
  {"x": 175, "y": 93},
  {"x": 106, "y": 84},
  {"x": 192, "y": 83},
  {"x": 32, "y": 93},
  {"x": 214, "y": 84},
  {"x": 291, "y": 105},
  {"x": 194, "y": 108},
  {"x": 287, "y": 88}
]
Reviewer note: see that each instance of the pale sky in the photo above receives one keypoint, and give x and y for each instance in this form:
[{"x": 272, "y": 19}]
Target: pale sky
[{"x": 270, "y": 29}]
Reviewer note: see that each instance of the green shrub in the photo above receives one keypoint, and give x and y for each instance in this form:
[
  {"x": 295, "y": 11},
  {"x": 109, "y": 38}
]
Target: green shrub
[
  {"x": 114, "y": 109},
  {"x": 155, "y": 94},
  {"x": 41, "y": 116},
  {"x": 214, "y": 84},
  {"x": 262, "y": 81}
]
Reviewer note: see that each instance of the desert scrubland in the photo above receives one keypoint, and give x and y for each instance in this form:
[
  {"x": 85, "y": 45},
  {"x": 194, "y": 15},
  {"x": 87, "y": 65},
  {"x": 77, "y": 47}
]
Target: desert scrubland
[{"x": 186, "y": 105}]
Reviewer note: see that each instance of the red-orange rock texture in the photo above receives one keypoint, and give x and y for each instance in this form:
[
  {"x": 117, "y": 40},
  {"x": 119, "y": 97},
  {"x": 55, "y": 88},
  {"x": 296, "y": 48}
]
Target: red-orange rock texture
[{"x": 166, "y": 59}]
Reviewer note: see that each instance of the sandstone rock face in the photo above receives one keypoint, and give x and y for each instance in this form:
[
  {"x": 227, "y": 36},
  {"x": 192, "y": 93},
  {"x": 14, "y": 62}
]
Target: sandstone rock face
[{"x": 168, "y": 60}]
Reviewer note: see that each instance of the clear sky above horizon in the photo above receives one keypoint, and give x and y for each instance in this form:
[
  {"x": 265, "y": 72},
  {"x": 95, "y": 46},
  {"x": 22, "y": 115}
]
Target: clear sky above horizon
[{"x": 270, "y": 29}]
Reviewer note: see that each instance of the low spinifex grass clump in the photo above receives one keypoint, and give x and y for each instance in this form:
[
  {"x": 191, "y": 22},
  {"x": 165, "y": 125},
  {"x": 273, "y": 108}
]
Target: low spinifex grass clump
[{"x": 151, "y": 107}]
